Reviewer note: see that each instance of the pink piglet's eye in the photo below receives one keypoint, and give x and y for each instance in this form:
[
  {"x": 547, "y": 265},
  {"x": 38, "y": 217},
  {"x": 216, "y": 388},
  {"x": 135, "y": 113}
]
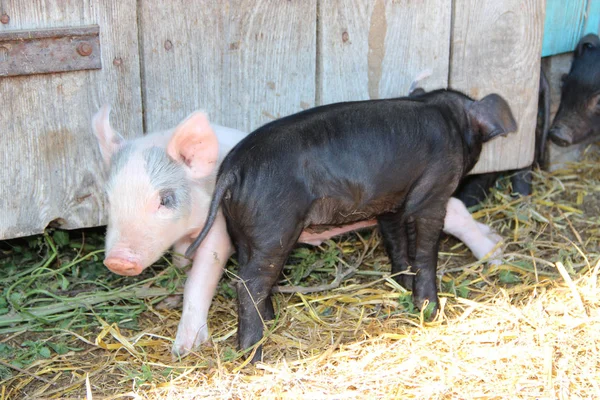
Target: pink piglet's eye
[{"x": 167, "y": 198}]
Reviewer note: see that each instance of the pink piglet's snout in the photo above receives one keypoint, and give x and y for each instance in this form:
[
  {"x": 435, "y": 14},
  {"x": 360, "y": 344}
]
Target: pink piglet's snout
[{"x": 122, "y": 263}]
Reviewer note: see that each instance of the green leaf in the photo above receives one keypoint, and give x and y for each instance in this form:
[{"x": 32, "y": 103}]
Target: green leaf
[
  {"x": 17, "y": 364},
  {"x": 302, "y": 252},
  {"x": 523, "y": 264},
  {"x": 44, "y": 352},
  {"x": 64, "y": 284},
  {"x": 229, "y": 354},
  {"x": 327, "y": 312},
  {"x": 59, "y": 348},
  {"x": 463, "y": 291},
  {"x": 508, "y": 277},
  {"x": 35, "y": 242},
  {"x": 16, "y": 298},
  {"x": 5, "y": 351},
  {"x": 61, "y": 238},
  {"x": 428, "y": 311},
  {"x": 406, "y": 302},
  {"x": 146, "y": 373},
  {"x": 5, "y": 373},
  {"x": 228, "y": 291}
]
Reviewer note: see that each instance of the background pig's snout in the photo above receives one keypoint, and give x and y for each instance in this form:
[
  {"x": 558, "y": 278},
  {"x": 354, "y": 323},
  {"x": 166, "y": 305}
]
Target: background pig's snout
[
  {"x": 559, "y": 137},
  {"x": 122, "y": 266}
]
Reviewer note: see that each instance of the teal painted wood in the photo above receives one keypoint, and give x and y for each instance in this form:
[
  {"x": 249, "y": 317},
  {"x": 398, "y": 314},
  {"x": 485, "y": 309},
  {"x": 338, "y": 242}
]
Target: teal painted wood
[
  {"x": 563, "y": 25},
  {"x": 592, "y": 25},
  {"x": 566, "y": 22}
]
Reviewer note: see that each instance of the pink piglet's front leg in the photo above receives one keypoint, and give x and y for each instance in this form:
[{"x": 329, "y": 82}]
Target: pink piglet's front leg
[
  {"x": 200, "y": 287},
  {"x": 479, "y": 238}
]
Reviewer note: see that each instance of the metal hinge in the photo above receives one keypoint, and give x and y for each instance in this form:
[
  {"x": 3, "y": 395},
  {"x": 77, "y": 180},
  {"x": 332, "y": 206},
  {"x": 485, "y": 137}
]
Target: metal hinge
[{"x": 43, "y": 51}]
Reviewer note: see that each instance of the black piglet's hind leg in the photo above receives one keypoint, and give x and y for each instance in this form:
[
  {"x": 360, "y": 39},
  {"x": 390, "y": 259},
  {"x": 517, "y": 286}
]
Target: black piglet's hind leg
[
  {"x": 395, "y": 239},
  {"x": 257, "y": 276},
  {"x": 255, "y": 307},
  {"x": 428, "y": 232}
]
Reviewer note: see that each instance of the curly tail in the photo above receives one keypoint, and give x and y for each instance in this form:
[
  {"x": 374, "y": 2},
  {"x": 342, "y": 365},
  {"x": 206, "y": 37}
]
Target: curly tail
[
  {"x": 422, "y": 75},
  {"x": 223, "y": 183}
]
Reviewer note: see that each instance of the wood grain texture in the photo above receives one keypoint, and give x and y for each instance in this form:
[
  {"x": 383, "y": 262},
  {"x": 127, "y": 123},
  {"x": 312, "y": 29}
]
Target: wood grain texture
[
  {"x": 375, "y": 49},
  {"x": 496, "y": 48},
  {"x": 51, "y": 168},
  {"x": 244, "y": 62}
]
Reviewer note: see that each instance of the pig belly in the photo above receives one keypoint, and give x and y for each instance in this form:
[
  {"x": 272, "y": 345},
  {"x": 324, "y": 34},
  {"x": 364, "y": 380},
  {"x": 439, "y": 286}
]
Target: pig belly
[{"x": 315, "y": 235}]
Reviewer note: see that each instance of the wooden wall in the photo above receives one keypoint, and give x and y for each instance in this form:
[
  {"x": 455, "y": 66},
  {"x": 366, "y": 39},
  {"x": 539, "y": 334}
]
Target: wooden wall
[
  {"x": 245, "y": 63},
  {"x": 496, "y": 48},
  {"x": 49, "y": 170},
  {"x": 374, "y": 49}
]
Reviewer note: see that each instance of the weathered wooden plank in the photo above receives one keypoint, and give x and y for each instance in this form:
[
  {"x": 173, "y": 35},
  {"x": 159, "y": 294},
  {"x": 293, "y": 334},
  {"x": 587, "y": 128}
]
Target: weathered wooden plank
[
  {"x": 50, "y": 165},
  {"x": 375, "y": 49},
  {"x": 496, "y": 47},
  {"x": 244, "y": 62}
]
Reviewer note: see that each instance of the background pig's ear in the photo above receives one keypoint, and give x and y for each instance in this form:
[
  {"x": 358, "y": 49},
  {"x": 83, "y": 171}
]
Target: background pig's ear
[
  {"x": 492, "y": 117},
  {"x": 108, "y": 140},
  {"x": 589, "y": 41},
  {"x": 195, "y": 144}
]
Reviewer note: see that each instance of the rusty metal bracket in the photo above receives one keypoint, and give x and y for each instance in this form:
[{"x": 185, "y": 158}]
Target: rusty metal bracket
[{"x": 42, "y": 51}]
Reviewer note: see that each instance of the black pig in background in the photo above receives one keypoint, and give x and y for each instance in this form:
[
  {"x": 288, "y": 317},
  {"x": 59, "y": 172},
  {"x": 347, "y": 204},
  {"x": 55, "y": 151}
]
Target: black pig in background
[
  {"x": 576, "y": 122},
  {"x": 578, "y": 116}
]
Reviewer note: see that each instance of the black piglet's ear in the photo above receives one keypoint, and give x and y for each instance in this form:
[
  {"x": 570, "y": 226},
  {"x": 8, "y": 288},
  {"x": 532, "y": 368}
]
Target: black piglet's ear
[
  {"x": 492, "y": 116},
  {"x": 589, "y": 41}
]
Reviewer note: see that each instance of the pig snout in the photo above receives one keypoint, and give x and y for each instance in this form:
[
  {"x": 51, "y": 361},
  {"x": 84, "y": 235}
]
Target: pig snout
[
  {"x": 123, "y": 263},
  {"x": 561, "y": 136}
]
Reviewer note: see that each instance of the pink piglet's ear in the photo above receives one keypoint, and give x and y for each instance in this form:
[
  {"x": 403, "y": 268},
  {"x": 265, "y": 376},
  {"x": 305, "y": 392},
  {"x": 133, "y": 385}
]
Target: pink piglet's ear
[
  {"x": 195, "y": 144},
  {"x": 109, "y": 140}
]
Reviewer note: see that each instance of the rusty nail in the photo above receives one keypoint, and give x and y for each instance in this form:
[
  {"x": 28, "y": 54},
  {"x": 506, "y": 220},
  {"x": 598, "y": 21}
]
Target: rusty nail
[
  {"x": 5, "y": 19},
  {"x": 345, "y": 37},
  {"x": 168, "y": 45},
  {"x": 84, "y": 49},
  {"x": 117, "y": 61}
]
